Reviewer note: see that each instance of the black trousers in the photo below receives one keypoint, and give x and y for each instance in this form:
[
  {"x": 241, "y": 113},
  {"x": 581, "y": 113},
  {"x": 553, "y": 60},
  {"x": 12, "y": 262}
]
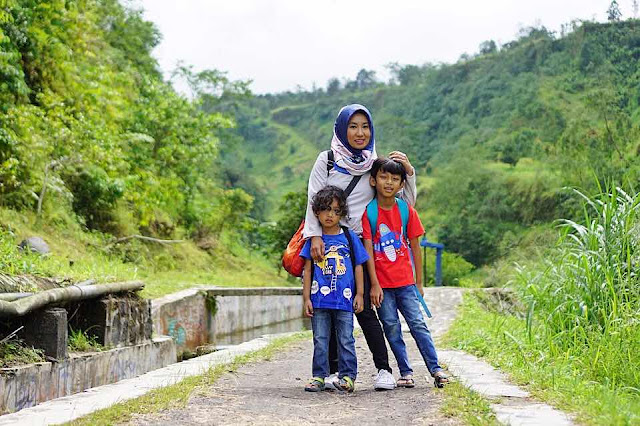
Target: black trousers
[{"x": 372, "y": 330}]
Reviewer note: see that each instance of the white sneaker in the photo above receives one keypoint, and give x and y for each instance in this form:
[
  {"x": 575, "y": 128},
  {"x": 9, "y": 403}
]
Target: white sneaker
[
  {"x": 328, "y": 382},
  {"x": 384, "y": 381}
]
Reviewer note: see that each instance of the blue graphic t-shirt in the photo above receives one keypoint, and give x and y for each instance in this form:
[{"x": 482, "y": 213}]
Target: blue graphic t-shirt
[{"x": 333, "y": 284}]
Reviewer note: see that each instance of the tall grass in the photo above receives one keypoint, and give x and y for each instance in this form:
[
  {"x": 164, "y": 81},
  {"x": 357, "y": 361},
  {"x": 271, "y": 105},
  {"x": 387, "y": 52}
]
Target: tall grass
[{"x": 586, "y": 304}]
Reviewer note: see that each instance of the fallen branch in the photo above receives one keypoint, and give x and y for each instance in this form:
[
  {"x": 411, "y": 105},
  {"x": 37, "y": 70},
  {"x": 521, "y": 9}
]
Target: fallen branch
[
  {"x": 143, "y": 238},
  {"x": 6, "y": 339}
]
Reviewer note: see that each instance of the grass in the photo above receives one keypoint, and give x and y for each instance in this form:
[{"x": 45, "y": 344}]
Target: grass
[
  {"x": 559, "y": 379},
  {"x": 177, "y": 396},
  {"x": 572, "y": 333},
  {"x": 80, "y": 341},
  {"x": 467, "y": 405},
  {"x": 14, "y": 353},
  {"x": 78, "y": 255}
]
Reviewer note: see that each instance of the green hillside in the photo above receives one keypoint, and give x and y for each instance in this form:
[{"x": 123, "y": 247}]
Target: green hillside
[
  {"x": 499, "y": 133},
  {"x": 95, "y": 146}
]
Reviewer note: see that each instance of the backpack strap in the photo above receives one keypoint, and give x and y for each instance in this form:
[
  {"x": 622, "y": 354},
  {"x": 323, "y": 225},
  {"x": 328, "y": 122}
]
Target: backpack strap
[
  {"x": 349, "y": 189},
  {"x": 404, "y": 215},
  {"x": 372, "y": 215},
  {"x": 330, "y": 161},
  {"x": 351, "y": 255},
  {"x": 354, "y": 181}
]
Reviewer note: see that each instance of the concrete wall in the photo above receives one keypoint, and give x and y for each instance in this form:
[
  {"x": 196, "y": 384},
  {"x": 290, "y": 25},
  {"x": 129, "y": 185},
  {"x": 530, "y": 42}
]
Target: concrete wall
[
  {"x": 26, "y": 386},
  {"x": 114, "y": 320},
  {"x": 197, "y": 316}
]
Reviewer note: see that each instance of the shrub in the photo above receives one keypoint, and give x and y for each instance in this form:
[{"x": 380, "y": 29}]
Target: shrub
[
  {"x": 454, "y": 267},
  {"x": 95, "y": 196}
]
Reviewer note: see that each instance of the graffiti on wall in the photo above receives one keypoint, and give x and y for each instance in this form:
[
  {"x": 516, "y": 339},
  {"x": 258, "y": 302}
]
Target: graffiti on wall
[{"x": 177, "y": 331}]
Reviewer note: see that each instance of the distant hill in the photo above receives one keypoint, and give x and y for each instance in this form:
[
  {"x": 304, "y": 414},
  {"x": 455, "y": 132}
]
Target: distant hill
[{"x": 499, "y": 133}]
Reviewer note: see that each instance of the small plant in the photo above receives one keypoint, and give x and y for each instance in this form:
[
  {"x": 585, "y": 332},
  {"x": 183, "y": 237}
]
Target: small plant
[
  {"x": 80, "y": 341},
  {"x": 14, "y": 352}
]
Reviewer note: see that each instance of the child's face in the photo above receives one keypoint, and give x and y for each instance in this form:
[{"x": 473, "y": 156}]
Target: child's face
[
  {"x": 386, "y": 184},
  {"x": 330, "y": 218}
]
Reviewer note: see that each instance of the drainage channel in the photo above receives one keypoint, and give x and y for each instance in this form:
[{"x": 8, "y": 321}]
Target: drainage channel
[{"x": 227, "y": 341}]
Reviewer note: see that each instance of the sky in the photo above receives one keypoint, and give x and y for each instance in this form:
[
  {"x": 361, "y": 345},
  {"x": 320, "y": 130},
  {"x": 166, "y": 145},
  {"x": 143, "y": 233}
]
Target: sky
[{"x": 289, "y": 44}]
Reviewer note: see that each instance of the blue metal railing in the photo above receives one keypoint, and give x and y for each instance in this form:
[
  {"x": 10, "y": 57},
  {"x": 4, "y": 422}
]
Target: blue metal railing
[{"x": 439, "y": 249}]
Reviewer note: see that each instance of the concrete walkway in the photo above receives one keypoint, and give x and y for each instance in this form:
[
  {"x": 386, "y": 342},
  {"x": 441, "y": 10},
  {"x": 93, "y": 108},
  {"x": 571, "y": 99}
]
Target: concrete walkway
[{"x": 272, "y": 391}]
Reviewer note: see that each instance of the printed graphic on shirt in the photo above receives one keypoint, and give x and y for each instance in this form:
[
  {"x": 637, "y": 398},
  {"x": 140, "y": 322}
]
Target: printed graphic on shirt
[
  {"x": 332, "y": 264},
  {"x": 333, "y": 283},
  {"x": 346, "y": 293},
  {"x": 389, "y": 244}
]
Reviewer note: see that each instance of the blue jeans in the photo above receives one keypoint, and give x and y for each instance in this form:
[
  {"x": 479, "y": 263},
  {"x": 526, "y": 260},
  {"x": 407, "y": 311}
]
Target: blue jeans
[
  {"x": 342, "y": 321},
  {"x": 405, "y": 300}
]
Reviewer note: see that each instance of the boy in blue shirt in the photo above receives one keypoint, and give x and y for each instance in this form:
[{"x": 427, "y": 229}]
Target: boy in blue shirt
[{"x": 333, "y": 289}]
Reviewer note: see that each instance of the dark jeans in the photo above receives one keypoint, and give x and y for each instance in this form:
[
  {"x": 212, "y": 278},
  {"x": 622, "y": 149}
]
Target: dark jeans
[
  {"x": 372, "y": 330},
  {"x": 322, "y": 321}
]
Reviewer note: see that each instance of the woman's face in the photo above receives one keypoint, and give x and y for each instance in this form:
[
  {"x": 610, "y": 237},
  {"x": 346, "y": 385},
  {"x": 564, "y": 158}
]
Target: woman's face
[{"x": 358, "y": 131}]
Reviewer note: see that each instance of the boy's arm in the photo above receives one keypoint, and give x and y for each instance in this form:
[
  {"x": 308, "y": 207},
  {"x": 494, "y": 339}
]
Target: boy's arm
[
  {"x": 306, "y": 288},
  {"x": 376, "y": 290},
  {"x": 358, "y": 302},
  {"x": 417, "y": 263}
]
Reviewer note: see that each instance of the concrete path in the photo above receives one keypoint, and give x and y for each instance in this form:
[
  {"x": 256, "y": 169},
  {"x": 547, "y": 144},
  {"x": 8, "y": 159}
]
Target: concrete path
[
  {"x": 272, "y": 391},
  {"x": 511, "y": 404}
]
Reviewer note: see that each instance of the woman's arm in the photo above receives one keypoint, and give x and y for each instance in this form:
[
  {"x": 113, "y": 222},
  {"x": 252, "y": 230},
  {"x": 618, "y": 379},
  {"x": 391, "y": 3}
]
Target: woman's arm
[
  {"x": 312, "y": 229},
  {"x": 409, "y": 192}
]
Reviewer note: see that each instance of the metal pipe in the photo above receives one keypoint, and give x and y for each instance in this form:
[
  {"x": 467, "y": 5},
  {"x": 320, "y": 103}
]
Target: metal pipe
[
  {"x": 10, "y": 297},
  {"x": 66, "y": 294}
]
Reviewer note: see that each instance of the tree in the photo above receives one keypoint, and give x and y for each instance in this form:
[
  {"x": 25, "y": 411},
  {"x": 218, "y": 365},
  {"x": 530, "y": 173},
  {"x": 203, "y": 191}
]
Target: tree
[
  {"x": 406, "y": 74},
  {"x": 212, "y": 87},
  {"x": 613, "y": 13},
  {"x": 333, "y": 86},
  {"x": 635, "y": 8},
  {"x": 366, "y": 79},
  {"x": 488, "y": 46}
]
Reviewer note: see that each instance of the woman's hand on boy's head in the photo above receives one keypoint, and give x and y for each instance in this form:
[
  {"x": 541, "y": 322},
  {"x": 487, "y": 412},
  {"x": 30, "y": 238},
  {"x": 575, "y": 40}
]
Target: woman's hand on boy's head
[
  {"x": 402, "y": 158},
  {"x": 358, "y": 303},
  {"x": 317, "y": 248},
  {"x": 308, "y": 308}
]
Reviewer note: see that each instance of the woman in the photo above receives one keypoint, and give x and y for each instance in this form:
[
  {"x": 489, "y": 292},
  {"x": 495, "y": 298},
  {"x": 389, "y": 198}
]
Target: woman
[{"x": 353, "y": 152}]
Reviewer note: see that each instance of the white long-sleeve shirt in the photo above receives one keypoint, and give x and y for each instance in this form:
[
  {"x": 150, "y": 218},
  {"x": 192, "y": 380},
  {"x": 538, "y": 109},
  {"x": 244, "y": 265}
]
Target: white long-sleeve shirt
[{"x": 357, "y": 202}]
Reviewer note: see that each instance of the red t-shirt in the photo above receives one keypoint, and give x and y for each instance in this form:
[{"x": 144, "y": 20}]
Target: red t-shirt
[{"x": 390, "y": 251}]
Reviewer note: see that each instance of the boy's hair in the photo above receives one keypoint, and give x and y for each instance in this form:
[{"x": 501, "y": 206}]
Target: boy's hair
[
  {"x": 389, "y": 166},
  {"x": 324, "y": 198}
]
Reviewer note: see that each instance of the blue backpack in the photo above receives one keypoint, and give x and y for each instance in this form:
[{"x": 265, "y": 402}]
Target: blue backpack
[{"x": 372, "y": 215}]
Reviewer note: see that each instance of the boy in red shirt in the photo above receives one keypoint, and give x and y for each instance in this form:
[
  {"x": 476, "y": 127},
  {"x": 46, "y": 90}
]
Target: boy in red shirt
[{"x": 390, "y": 267}]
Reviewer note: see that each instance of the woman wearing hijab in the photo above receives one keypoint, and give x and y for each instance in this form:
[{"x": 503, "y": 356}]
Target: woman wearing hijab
[{"x": 347, "y": 165}]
